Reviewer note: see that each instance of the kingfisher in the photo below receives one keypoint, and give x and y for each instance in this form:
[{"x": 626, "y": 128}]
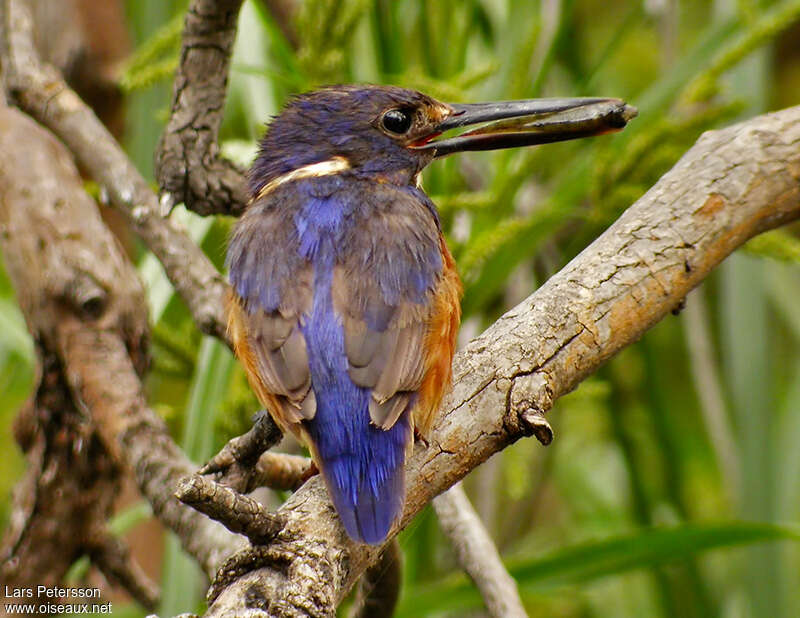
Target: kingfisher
[{"x": 345, "y": 300}]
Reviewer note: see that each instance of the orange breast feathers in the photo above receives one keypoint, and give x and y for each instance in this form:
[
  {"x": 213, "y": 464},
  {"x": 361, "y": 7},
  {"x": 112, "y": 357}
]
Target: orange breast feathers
[{"x": 440, "y": 343}]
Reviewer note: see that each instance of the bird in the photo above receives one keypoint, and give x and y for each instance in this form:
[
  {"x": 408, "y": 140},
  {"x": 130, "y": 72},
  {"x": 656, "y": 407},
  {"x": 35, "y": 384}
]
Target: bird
[{"x": 345, "y": 300}]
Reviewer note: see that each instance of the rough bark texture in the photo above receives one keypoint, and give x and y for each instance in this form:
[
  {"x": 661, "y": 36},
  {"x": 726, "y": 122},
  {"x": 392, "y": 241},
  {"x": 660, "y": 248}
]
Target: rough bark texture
[
  {"x": 733, "y": 184},
  {"x": 85, "y": 306},
  {"x": 730, "y": 186},
  {"x": 42, "y": 92},
  {"x": 188, "y": 164},
  {"x": 67, "y": 269}
]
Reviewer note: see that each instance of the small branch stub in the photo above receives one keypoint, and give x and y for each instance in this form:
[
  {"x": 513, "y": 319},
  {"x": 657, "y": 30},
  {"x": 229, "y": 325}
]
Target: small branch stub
[
  {"x": 535, "y": 424},
  {"x": 236, "y": 464},
  {"x": 238, "y": 513}
]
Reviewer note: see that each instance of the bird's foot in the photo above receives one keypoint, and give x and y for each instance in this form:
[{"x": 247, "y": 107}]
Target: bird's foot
[{"x": 245, "y": 462}]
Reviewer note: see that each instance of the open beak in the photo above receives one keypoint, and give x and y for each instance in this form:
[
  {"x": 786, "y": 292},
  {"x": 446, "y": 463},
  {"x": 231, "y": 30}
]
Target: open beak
[{"x": 527, "y": 122}]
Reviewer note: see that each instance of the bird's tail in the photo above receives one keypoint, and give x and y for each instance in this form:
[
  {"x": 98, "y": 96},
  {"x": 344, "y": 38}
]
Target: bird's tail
[{"x": 362, "y": 464}]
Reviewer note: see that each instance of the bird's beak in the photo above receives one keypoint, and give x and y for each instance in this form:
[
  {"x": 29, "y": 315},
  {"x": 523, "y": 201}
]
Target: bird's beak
[{"x": 526, "y": 122}]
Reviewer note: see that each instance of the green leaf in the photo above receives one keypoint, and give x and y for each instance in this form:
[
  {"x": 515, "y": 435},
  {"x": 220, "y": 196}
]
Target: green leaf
[{"x": 587, "y": 562}]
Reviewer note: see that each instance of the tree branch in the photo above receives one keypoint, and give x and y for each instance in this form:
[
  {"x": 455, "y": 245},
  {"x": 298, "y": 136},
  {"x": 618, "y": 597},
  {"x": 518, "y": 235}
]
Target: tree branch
[
  {"x": 238, "y": 513},
  {"x": 73, "y": 477},
  {"x": 189, "y": 167},
  {"x": 731, "y": 185},
  {"x": 85, "y": 305},
  {"x": 42, "y": 92},
  {"x": 477, "y": 553},
  {"x": 113, "y": 558}
]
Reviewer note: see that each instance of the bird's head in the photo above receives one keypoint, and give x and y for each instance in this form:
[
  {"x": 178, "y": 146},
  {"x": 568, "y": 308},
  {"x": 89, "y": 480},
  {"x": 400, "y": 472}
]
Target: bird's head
[{"x": 390, "y": 133}]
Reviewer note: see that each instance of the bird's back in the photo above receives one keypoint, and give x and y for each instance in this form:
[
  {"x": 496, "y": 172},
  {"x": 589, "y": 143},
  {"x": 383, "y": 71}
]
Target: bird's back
[{"x": 345, "y": 310}]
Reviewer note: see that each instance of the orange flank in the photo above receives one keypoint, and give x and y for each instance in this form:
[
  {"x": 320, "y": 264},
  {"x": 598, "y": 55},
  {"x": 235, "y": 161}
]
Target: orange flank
[
  {"x": 241, "y": 347},
  {"x": 440, "y": 343}
]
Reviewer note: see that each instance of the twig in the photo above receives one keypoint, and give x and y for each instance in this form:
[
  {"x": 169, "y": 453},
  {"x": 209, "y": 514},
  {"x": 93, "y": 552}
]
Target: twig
[
  {"x": 85, "y": 305},
  {"x": 41, "y": 91},
  {"x": 477, "y": 554},
  {"x": 72, "y": 477},
  {"x": 238, "y": 513},
  {"x": 189, "y": 167},
  {"x": 102, "y": 376},
  {"x": 732, "y": 185},
  {"x": 235, "y": 465},
  {"x": 282, "y": 471}
]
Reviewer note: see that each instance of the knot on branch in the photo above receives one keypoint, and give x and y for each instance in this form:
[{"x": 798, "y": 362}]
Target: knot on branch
[
  {"x": 529, "y": 397},
  {"x": 86, "y": 296}
]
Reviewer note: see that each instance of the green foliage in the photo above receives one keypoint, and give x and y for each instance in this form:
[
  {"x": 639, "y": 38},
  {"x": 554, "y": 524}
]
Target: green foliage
[
  {"x": 148, "y": 64},
  {"x": 583, "y": 563},
  {"x": 614, "y": 518},
  {"x": 776, "y": 244}
]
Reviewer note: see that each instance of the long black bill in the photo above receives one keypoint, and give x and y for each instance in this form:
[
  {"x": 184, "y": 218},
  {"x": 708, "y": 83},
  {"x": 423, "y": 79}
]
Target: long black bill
[{"x": 529, "y": 122}]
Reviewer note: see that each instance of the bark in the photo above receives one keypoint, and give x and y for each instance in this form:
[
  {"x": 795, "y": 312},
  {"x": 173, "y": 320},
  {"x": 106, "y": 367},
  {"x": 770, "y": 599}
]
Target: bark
[
  {"x": 41, "y": 91},
  {"x": 85, "y": 307},
  {"x": 189, "y": 167},
  {"x": 66, "y": 268}
]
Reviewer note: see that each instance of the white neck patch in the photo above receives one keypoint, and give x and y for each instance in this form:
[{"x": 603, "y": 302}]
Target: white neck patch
[{"x": 314, "y": 170}]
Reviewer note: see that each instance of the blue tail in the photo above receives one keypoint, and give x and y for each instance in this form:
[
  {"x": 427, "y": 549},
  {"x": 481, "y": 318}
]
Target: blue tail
[{"x": 362, "y": 465}]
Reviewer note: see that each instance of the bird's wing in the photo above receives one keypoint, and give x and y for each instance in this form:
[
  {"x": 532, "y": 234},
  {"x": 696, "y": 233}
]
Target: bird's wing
[
  {"x": 272, "y": 289},
  {"x": 383, "y": 290}
]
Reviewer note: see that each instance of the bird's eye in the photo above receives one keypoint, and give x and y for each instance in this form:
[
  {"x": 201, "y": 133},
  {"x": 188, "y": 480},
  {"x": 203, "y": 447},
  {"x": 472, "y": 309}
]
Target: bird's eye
[{"x": 397, "y": 121}]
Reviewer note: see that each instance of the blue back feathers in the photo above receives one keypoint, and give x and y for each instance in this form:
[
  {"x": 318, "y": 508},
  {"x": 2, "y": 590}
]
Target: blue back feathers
[{"x": 326, "y": 222}]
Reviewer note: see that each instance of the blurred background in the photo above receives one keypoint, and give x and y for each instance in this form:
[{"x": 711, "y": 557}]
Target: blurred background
[{"x": 673, "y": 485}]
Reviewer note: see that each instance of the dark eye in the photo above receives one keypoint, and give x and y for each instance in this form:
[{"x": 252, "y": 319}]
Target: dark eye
[{"x": 397, "y": 121}]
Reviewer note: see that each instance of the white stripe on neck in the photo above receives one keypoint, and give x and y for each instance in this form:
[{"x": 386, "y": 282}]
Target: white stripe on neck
[{"x": 314, "y": 170}]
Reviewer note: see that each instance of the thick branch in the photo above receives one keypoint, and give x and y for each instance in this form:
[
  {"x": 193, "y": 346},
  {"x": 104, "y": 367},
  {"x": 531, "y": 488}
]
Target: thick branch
[
  {"x": 477, "y": 554},
  {"x": 189, "y": 168},
  {"x": 85, "y": 305},
  {"x": 41, "y": 91},
  {"x": 730, "y": 186},
  {"x": 73, "y": 477},
  {"x": 102, "y": 376},
  {"x": 238, "y": 513}
]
